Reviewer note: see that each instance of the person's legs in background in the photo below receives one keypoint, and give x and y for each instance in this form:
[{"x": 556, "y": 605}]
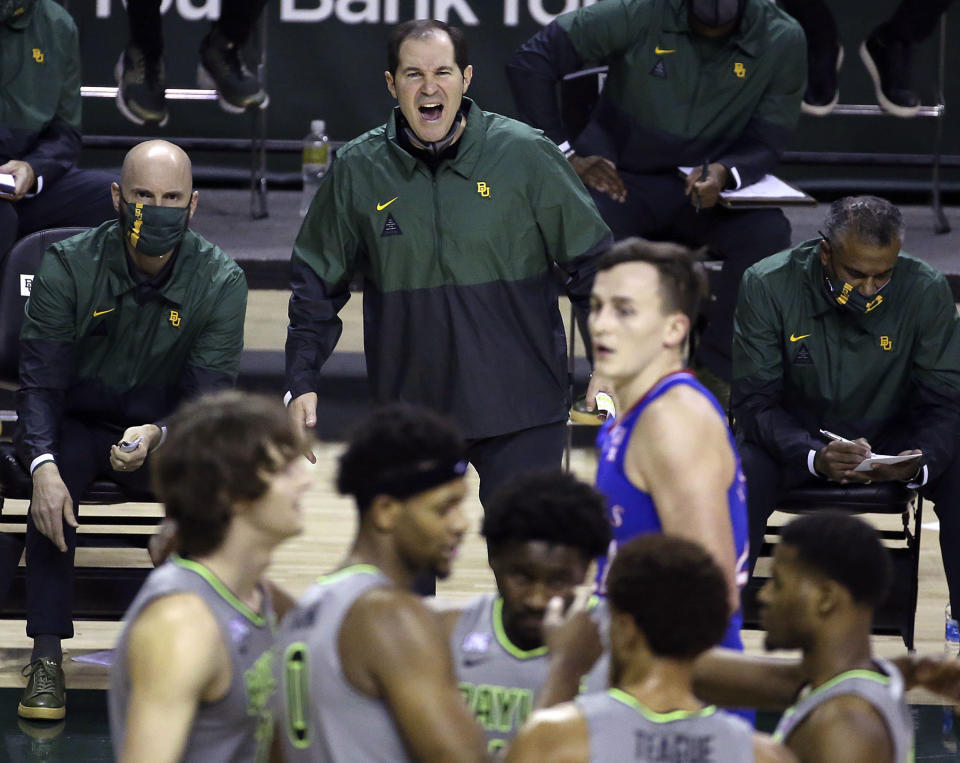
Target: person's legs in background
[
  {"x": 887, "y": 53},
  {"x": 84, "y": 455},
  {"x": 740, "y": 238},
  {"x": 80, "y": 198},
  {"x": 497, "y": 459},
  {"x": 824, "y": 53},
  {"x": 763, "y": 485},
  {"x": 140, "y": 71},
  {"x": 9, "y": 227},
  {"x": 221, "y": 63}
]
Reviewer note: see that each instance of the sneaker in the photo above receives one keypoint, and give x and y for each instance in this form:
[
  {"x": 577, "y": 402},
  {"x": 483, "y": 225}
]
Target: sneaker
[
  {"x": 223, "y": 69},
  {"x": 822, "y": 89},
  {"x": 141, "y": 95},
  {"x": 889, "y": 65},
  {"x": 46, "y": 694}
]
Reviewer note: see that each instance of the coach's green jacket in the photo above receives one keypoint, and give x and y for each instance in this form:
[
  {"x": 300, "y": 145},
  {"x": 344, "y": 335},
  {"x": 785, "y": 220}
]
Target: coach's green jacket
[
  {"x": 801, "y": 362},
  {"x": 671, "y": 97},
  {"x": 40, "y": 90},
  {"x": 97, "y": 346},
  {"x": 460, "y": 298}
]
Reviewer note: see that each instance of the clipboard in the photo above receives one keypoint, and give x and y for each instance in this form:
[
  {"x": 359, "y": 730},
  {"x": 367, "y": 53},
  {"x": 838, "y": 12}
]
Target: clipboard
[{"x": 769, "y": 191}]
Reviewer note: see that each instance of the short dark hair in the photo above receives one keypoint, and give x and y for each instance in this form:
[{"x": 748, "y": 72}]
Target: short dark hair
[
  {"x": 218, "y": 448},
  {"x": 420, "y": 28},
  {"x": 395, "y": 440},
  {"x": 870, "y": 219},
  {"x": 673, "y": 590},
  {"x": 845, "y": 549},
  {"x": 683, "y": 280},
  {"x": 551, "y": 506}
]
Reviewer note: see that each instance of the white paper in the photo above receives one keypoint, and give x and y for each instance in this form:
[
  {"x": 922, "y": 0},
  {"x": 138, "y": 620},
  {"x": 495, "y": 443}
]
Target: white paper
[
  {"x": 767, "y": 187},
  {"x": 865, "y": 465}
]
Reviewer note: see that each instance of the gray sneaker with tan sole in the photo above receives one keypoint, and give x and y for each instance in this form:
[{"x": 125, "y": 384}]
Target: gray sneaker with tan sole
[{"x": 46, "y": 694}]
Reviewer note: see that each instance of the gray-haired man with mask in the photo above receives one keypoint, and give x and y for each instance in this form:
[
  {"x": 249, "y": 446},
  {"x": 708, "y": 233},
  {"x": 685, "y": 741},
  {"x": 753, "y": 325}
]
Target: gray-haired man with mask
[
  {"x": 847, "y": 334},
  {"x": 710, "y": 84},
  {"x": 123, "y": 322}
]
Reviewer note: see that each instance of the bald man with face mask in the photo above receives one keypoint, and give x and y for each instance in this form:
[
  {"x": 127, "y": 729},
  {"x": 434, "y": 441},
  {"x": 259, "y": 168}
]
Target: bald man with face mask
[{"x": 123, "y": 323}]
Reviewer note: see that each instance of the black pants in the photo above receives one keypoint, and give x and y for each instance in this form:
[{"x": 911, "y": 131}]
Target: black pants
[
  {"x": 499, "y": 459},
  {"x": 237, "y": 18},
  {"x": 84, "y": 456},
  {"x": 912, "y": 22},
  {"x": 657, "y": 209},
  {"x": 765, "y": 481},
  {"x": 79, "y": 198}
]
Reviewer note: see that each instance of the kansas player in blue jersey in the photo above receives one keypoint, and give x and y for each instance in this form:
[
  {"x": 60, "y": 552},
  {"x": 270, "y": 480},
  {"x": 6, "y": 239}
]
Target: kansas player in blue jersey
[{"x": 668, "y": 462}]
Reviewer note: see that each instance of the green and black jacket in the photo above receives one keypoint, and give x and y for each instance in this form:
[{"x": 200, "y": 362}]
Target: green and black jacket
[
  {"x": 671, "y": 97},
  {"x": 97, "y": 347},
  {"x": 801, "y": 362},
  {"x": 460, "y": 290},
  {"x": 40, "y": 90}
]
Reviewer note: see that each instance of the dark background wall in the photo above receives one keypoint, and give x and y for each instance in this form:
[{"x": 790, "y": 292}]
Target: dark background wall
[{"x": 326, "y": 60}]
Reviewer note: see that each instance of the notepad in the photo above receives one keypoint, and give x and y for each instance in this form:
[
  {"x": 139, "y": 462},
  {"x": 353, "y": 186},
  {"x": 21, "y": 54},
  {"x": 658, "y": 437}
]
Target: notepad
[
  {"x": 867, "y": 463},
  {"x": 768, "y": 191}
]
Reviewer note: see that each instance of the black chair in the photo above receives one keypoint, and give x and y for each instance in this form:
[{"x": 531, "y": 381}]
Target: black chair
[
  {"x": 897, "y": 615},
  {"x": 101, "y": 592}
]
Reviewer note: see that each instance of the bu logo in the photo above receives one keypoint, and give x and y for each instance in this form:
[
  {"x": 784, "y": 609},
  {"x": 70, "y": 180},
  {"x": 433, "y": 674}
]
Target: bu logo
[
  {"x": 175, "y": 319},
  {"x": 739, "y": 70},
  {"x": 38, "y": 55},
  {"x": 483, "y": 189},
  {"x": 886, "y": 343}
]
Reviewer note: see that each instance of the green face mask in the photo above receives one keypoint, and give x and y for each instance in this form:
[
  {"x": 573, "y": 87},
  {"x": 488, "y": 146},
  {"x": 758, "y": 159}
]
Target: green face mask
[
  {"x": 151, "y": 230},
  {"x": 11, "y": 9}
]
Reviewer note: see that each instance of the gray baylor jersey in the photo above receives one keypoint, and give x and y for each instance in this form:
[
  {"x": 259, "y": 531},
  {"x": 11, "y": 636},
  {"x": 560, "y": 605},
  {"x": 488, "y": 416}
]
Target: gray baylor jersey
[
  {"x": 883, "y": 689},
  {"x": 498, "y": 679},
  {"x": 239, "y": 727},
  {"x": 621, "y": 729},
  {"x": 323, "y": 718}
]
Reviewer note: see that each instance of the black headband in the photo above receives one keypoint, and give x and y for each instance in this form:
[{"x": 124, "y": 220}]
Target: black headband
[{"x": 408, "y": 481}]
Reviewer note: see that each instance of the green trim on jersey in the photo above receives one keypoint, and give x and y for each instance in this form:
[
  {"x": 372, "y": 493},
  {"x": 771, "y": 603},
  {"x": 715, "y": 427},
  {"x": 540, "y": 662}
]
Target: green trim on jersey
[
  {"x": 651, "y": 715},
  {"x": 504, "y": 640},
  {"x": 353, "y": 569},
  {"x": 218, "y": 585},
  {"x": 296, "y": 689},
  {"x": 868, "y": 675}
]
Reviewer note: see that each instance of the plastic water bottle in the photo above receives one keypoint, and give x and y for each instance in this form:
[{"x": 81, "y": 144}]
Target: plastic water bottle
[
  {"x": 951, "y": 648},
  {"x": 316, "y": 162}
]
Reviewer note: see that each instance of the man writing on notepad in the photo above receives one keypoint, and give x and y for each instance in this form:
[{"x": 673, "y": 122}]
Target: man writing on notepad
[
  {"x": 845, "y": 347},
  {"x": 710, "y": 85}
]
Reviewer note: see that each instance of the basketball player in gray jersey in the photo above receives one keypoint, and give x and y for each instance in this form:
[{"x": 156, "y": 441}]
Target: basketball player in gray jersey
[
  {"x": 365, "y": 667},
  {"x": 829, "y": 573},
  {"x": 542, "y": 529},
  {"x": 192, "y": 675},
  {"x": 668, "y": 605}
]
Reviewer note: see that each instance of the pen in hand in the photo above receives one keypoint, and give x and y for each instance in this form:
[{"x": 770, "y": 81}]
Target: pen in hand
[
  {"x": 703, "y": 176},
  {"x": 838, "y": 438}
]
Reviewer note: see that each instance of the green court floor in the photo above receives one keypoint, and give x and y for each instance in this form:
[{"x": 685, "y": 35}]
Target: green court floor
[{"x": 85, "y": 735}]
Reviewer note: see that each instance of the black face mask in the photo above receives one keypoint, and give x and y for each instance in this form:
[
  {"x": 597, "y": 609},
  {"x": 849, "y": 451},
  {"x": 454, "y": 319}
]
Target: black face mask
[
  {"x": 715, "y": 13},
  {"x": 846, "y": 295},
  {"x": 152, "y": 230},
  {"x": 11, "y": 9}
]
